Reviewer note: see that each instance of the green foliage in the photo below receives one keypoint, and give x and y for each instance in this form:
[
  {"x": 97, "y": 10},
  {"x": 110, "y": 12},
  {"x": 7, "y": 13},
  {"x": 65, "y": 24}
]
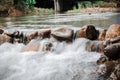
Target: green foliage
[
  {"x": 30, "y": 2},
  {"x": 99, "y": 4},
  {"x": 84, "y": 4}
]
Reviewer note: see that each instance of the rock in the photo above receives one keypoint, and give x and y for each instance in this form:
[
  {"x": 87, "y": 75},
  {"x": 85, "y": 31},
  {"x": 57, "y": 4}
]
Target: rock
[
  {"x": 112, "y": 51},
  {"x": 95, "y": 46},
  {"x": 113, "y": 31},
  {"x": 87, "y": 31},
  {"x": 47, "y": 46},
  {"x": 5, "y": 38},
  {"x": 18, "y": 37},
  {"x": 33, "y": 36},
  {"x": 107, "y": 68},
  {"x": 102, "y": 33},
  {"x": 45, "y": 33},
  {"x": 63, "y": 34},
  {"x": 41, "y": 35},
  {"x": 102, "y": 60},
  {"x": 1, "y": 31},
  {"x": 115, "y": 74}
]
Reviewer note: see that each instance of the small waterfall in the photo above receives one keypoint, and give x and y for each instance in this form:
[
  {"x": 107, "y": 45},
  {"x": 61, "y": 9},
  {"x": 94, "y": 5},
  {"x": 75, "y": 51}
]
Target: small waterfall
[{"x": 65, "y": 62}]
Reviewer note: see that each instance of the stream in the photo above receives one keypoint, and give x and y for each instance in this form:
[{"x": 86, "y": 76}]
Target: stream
[{"x": 66, "y": 62}]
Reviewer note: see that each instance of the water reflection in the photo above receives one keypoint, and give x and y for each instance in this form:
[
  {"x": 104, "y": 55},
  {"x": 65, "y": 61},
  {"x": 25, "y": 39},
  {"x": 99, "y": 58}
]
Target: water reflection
[{"x": 45, "y": 21}]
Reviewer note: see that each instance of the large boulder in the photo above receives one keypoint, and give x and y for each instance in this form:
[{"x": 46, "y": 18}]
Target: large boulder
[
  {"x": 113, "y": 31},
  {"x": 112, "y": 51},
  {"x": 62, "y": 34},
  {"x": 87, "y": 31}
]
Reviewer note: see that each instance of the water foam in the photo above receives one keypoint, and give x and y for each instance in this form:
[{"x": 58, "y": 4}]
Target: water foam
[{"x": 66, "y": 62}]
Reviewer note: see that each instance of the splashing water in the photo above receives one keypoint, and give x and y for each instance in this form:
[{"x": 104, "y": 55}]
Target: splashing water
[{"x": 66, "y": 62}]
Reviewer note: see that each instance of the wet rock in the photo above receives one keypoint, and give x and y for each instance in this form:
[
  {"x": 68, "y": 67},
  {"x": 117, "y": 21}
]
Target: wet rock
[
  {"x": 106, "y": 68},
  {"x": 102, "y": 60},
  {"x": 112, "y": 51},
  {"x": 62, "y": 34},
  {"x": 33, "y": 36},
  {"x": 113, "y": 31},
  {"x": 115, "y": 74},
  {"x": 40, "y": 35},
  {"x": 5, "y": 38},
  {"x": 19, "y": 37},
  {"x": 87, "y": 31},
  {"x": 47, "y": 46},
  {"x": 95, "y": 46},
  {"x": 45, "y": 33},
  {"x": 102, "y": 33},
  {"x": 1, "y": 31}
]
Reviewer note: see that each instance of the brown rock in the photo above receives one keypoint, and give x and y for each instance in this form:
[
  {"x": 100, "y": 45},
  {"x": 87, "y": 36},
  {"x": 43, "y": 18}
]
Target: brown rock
[
  {"x": 45, "y": 33},
  {"x": 33, "y": 36},
  {"x": 5, "y": 38},
  {"x": 87, "y": 31},
  {"x": 102, "y": 60},
  {"x": 102, "y": 33},
  {"x": 63, "y": 34},
  {"x": 115, "y": 74},
  {"x": 113, "y": 31},
  {"x": 107, "y": 68},
  {"x": 112, "y": 51}
]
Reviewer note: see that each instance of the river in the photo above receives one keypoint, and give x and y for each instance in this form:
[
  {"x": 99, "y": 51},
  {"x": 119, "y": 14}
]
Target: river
[{"x": 66, "y": 62}]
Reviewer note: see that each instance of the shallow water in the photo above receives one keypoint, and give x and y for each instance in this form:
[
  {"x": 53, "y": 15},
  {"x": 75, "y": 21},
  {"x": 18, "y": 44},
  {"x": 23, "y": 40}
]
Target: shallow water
[
  {"x": 65, "y": 62},
  {"x": 103, "y": 20}
]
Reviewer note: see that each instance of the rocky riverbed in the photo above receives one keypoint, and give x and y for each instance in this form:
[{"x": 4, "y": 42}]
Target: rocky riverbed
[{"x": 66, "y": 53}]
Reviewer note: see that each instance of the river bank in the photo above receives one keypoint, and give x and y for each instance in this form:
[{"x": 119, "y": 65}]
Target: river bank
[{"x": 94, "y": 10}]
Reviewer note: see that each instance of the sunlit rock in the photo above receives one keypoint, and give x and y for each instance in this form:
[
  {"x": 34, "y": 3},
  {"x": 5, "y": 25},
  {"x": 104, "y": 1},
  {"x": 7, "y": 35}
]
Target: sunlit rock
[
  {"x": 62, "y": 34},
  {"x": 87, "y": 31},
  {"x": 113, "y": 31},
  {"x": 40, "y": 34},
  {"x": 102, "y": 33},
  {"x": 112, "y": 51}
]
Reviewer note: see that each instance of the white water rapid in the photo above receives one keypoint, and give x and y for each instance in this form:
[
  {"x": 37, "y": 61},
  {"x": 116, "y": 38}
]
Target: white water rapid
[{"x": 66, "y": 62}]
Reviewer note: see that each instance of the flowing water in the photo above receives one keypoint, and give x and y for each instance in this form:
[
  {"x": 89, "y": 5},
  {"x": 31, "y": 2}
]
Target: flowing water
[{"x": 65, "y": 62}]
